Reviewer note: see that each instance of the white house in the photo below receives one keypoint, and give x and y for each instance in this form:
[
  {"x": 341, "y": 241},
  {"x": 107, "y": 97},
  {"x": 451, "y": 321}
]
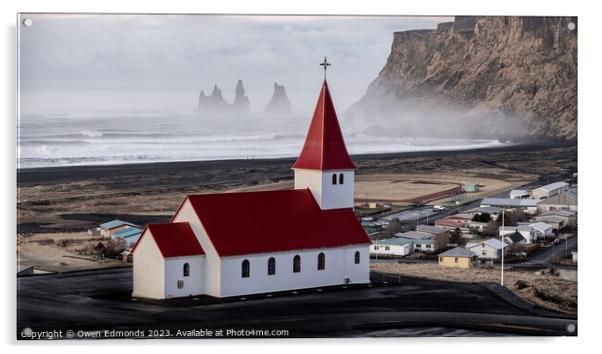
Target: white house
[
  {"x": 397, "y": 247},
  {"x": 488, "y": 249},
  {"x": 541, "y": 230},
  {"x": 230, "y": 244},
  {"x": 519, "y": 194}
]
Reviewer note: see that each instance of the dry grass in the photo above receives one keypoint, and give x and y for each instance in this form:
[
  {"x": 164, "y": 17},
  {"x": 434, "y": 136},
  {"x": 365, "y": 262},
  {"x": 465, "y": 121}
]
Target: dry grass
[{"x": 546, "y": 291}]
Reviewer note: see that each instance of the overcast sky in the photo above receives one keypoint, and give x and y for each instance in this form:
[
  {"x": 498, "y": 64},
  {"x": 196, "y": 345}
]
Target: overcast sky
[{"x": 110, "y": 63}]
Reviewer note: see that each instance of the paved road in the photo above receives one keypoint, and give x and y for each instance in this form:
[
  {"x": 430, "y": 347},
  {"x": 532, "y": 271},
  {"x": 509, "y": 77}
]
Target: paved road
[
  {"x": 546, "y": 256},
  {"x": 97, "y": 300}
]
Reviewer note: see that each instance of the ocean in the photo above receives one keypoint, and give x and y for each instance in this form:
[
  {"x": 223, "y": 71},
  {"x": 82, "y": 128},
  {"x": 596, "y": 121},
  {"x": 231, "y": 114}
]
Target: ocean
[{"x": 106, "y": 139}]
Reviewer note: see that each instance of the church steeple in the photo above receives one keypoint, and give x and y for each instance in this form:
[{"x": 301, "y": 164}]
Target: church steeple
[
  {"x": 324, "y": 147},
  {"x": 324, "y": 166}
]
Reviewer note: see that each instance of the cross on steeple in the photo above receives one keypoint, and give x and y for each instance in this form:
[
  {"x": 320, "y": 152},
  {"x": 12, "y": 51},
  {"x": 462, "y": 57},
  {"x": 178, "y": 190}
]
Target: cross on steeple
[{"x": 325, "y": 64}]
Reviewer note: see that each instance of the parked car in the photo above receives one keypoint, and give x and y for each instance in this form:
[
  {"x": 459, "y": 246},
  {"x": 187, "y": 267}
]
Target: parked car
[
  {"x": 556, "y": 241},
  {"x": 439, "y": 208}
]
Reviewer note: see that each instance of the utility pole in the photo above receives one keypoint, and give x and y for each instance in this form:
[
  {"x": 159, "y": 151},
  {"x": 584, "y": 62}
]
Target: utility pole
[{"x": 502, "y": 278}]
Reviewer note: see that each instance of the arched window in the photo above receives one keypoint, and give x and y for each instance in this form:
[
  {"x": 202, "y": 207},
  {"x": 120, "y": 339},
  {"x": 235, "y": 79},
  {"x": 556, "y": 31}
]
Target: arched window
[
  {"x": 186, "y": 269},
  {"x": 341, "y": 178},
  {"x": 246, "y": 268},
  {"x": 321, "y": 261},
  {"x": 271, "y": 266},
  {"x": 296, "y": 264},
  {"x": 334, "y": 178},
  {"x": 357, "y": 257}
]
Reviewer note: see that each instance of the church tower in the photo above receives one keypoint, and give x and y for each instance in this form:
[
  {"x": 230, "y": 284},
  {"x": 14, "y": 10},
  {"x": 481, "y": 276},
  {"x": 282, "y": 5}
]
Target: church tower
[{"x": 324, "y": 165}]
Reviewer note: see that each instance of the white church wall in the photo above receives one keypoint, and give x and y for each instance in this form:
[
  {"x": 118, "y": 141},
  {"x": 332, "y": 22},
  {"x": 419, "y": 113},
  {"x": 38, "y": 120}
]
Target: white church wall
[
  {"x": 211, "y": 281},
  {"x": 311, "y": 179},
  {"x": 336, "y": 196},
  {"x": 191, "y": 284},
  {"x": 148, "y": 269},
  {"x": 340, "y": 264},
  {"x": 327, "y": 195}
]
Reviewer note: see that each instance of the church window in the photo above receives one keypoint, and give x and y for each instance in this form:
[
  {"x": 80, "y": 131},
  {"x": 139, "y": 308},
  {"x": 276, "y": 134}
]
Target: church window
[
  {"x": 321, "y": 261},
  {"x": 271, "y": 266},
  {"x": 357, "y": 257},
  {"x": 297, "y": 264},
  {"x": 246, "y": 268},
  {"x": 334, "y": 178},
  {"x": 341, "y": 178},
  {"x": 186, "y": 269}
]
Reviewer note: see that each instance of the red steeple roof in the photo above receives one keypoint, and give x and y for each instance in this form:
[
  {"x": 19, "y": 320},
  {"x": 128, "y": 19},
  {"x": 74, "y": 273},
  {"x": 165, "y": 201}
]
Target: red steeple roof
[{"x": 324, "y": 147}]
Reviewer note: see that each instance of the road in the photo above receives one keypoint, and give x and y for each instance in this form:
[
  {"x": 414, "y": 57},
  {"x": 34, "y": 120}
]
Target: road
[
  {"x": 546, "y": 256},
  {"x": 98, "y": 300}
]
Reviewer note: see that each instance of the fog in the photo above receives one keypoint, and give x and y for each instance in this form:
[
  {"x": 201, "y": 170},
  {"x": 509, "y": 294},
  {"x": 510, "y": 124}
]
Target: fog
[{"x": 103, "y": 63}]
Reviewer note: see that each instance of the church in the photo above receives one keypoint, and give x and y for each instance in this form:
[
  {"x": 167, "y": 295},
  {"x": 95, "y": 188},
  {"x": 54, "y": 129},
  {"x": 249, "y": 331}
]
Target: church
[{"x": 232, "y": 244}]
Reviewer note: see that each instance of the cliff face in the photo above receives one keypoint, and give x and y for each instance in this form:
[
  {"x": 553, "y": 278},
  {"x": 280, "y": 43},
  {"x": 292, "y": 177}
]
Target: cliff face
[{"x": 507, "y": 77}]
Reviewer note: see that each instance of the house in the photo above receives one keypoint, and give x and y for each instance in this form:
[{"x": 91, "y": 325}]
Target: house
[
  {"x": 490, "y": 249},
  {"x": 423, "y": 241},
  {"x": 457, "y": 258},
  {"x": 557, "y": 222},
  {"x": 566, "y": 200},
  {"x": 515, "y": 238},
  {"x": 541, "y": 231},
  {"x": 491, "y": 211},
  {"x": 433, "y": 230},
  {"x": 397, "y": 247},
  {"x": 454, "y": 221},
  {"x": 569, "y": 217},
  {"x": 130, "y": 235},
  {"x": 527, "y": 205},
  {"x": 109, "y": 228},
  {"x": 233, "y": 244},
  {"x": 519, "y": 194},
  {"x": 549, "y": 190}
]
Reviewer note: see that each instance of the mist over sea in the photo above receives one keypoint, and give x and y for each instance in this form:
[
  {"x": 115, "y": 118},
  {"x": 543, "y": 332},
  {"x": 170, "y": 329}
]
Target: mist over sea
[{"x": 104, "y": 139}]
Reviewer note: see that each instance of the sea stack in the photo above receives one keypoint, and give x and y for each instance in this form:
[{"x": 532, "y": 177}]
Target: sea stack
[
  {"x": 241, "y": 102},
  {"x": 214, "y": 102},
  {"x": 279, "y": 104}
]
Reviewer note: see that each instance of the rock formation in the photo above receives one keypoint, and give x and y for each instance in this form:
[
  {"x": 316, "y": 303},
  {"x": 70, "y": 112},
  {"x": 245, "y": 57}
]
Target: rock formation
[
  {"x": 279, "y": 104},
  {"x": 482, "y": 76},
  {"x": 214, "y": 102},
  {"x": 241, "y": 102}
]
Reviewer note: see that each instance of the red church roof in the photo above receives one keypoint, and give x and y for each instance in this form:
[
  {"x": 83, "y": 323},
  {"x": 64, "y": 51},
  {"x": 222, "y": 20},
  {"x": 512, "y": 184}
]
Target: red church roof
[
  {"x": 324, "y": 147},
  {"x": 174, "y": 239},
  {"x": 274, "y": 221}
]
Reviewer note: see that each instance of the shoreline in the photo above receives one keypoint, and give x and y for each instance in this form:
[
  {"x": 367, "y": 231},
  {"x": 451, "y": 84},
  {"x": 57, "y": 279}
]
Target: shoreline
[{"x": 37, "y": 174}]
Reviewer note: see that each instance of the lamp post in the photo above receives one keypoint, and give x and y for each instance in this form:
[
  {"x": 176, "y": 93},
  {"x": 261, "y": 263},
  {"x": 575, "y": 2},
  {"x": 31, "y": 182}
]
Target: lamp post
[{"x": 502, "y": 278}]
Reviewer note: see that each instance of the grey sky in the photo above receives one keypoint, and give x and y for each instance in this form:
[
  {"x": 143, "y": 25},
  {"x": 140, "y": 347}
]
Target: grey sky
[{"x": 138, "y": 62}]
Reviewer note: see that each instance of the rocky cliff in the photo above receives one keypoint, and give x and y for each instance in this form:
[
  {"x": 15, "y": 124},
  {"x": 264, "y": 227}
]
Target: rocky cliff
[{"x": 504, "y": 77}]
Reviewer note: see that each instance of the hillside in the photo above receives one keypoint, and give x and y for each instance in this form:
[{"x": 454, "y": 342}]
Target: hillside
[{"x": 502, "y": 77}]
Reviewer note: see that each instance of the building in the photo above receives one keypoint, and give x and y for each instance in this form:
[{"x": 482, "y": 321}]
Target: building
[
  {"x": 569, "y": 217},
  {"x": 107, "y": 229},
  {"x": 469, "y": 187},
  {"x": 519, "y": 194},
  {"x": 423, "y": 241},
  {"x": 233, "y": 244},
  {"x": 451, "y": 224},
  {"x": 433, "y": 230},
  {"x": 491, "y": 211},
  {"x": 527, "y": 205},
  {"x": 392, "y": 247},
  {"x": 515, "y": 238},
  {"x": 557, "y": 222},
  {"x": 457, "y": 258},
  {"x": 566, "y": 200},
  {"x": 549, "y": 190},
  {"x": 541, "y": 231},
  {"x": 490, "y": 249},
  {"x": 130, "y": 235}
]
